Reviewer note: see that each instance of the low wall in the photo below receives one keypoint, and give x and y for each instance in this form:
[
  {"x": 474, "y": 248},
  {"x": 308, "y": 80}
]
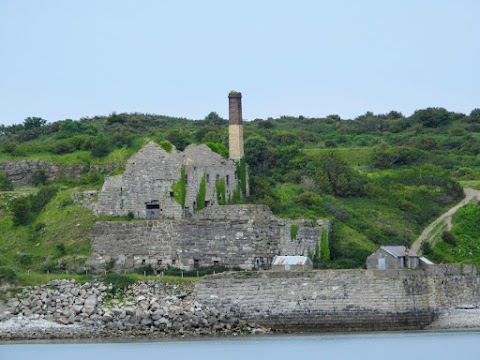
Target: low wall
[{"x": 342, "y": 300}]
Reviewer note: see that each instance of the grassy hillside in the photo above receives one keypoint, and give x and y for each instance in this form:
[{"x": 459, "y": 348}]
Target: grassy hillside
[{"x": 379, "y": 178}]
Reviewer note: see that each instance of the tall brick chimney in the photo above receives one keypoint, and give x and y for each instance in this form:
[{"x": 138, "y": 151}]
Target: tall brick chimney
[{"x": 235, "y": 130}]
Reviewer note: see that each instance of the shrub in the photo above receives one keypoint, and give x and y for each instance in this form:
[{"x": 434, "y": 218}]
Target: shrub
[
  {"x": 5, "y": 183},
  {"x": 119, "y": 282},
  {"x": 39, "y": 177},
  {"x": 448, "y": 237},
  {"x": 293, "y": 231},
  {"x": 7, "y": 275}
]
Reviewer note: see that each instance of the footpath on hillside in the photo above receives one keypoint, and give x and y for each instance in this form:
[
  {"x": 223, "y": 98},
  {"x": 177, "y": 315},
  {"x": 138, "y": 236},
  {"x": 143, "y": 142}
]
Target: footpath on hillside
[{"x": 429, "y": 232}]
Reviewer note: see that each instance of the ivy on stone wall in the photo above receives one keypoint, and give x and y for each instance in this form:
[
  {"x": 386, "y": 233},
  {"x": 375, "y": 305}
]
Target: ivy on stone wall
[
  {"x": 202, "y": 194},
  {"x": 324, "y": 248},
  {"x": 180, "y": 189},
  {"x": 166, "y": 145},
  {"x": 236, "y": 198},
  {"x": 242, "y": 175},
  {"x": 293, "y": 232},
  {"x": 221, "y": 192}
]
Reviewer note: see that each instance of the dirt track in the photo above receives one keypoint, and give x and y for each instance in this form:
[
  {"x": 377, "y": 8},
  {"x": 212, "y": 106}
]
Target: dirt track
[{"x": 446, "y": 217}]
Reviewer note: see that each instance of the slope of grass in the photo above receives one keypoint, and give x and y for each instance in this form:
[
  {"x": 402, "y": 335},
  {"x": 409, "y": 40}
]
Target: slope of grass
[{"x": 57, "y": 239}]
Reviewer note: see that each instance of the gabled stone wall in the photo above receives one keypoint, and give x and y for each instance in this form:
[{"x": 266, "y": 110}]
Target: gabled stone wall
[{"x": 149, "y": 177}]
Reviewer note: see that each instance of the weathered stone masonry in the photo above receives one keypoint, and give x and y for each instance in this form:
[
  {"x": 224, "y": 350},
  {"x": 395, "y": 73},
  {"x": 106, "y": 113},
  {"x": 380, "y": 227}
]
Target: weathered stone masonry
[
  {"x": 245, "y": 236},
  {"x": 343, "y": 300}
]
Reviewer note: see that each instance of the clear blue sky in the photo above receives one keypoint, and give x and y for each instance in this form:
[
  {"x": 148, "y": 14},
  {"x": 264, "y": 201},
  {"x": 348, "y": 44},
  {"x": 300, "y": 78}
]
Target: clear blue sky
[{"x": 69, "y": 59}]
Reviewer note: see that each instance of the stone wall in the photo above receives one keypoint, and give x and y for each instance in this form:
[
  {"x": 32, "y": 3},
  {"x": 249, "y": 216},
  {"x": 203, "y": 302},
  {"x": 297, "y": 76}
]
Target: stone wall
[
  {"x": 149, "y": 177},
  {"x": 20, "y": 172},
  {"x": 342, "y": 300},
  {"x": 244, "y": 236}
]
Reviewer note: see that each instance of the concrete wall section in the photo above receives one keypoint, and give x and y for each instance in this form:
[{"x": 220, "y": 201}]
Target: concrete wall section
[{"x": 342, "y": 300}]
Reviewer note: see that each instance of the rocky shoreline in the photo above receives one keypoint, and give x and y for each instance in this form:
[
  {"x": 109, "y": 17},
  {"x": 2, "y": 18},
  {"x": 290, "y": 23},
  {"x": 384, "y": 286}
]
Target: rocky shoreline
[{"x": 64, "y": 309}]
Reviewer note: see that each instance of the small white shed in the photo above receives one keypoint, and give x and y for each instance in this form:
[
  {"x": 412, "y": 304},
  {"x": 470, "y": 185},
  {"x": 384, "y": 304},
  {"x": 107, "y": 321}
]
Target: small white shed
[{"x": 291, "y": 263}]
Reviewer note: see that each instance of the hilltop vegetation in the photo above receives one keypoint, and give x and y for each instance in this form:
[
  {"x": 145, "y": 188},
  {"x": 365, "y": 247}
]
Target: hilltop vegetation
[{"x": 380, "y": 178}]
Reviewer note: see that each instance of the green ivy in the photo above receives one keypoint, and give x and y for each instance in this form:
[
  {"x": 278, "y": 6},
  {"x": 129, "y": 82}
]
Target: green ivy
[
  {"x": 293, "y": 231},
  {"x": 179, "y": 189},
  {"x": 202, "y": 194},
  {"x": 242, "y": 175},
  {"x": 324, "y": 248},
  {"x": 218, "y": 148},
  {"x": 166, "y": 145},
  {"x": 221, "y": 192}
]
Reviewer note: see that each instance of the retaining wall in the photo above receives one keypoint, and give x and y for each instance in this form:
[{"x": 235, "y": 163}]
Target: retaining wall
[{"x": 342, "y": 300}]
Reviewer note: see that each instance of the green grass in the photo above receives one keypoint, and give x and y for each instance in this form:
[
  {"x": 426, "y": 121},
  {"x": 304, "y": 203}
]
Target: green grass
[
  {"x": 57, "y": 239},
  {"x": 473, "y": 184},
  {"x": 358, "y": 156}
]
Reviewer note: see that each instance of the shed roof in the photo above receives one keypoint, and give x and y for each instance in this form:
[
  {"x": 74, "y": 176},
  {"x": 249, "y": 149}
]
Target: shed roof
[
  {"x": 426, "y": 261},
  {"x": 291, "y": 260},
  {"x": 398, "y": 251}
]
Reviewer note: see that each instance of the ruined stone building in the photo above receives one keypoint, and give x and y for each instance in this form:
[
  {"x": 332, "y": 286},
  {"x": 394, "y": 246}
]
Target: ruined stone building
[
  {"x": 147, "y": 187},
  {"x": 165, "y": 188}
]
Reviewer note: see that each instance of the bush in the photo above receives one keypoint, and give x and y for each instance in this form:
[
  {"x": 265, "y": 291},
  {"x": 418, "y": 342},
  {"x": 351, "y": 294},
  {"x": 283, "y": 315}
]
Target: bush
[
  {"x": 5, "y": 183},
  {"x": 448, "y": 237},
  {"x": 7, "y": 275},
  {"x": 119, "y": 282}
]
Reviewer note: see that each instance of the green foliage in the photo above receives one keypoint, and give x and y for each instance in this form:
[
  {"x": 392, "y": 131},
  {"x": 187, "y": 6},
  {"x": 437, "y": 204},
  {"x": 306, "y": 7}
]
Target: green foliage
[
  {"x": 39, "y": 177},
  {"x": 335, "y": 176},
  {"x": 34, "y": 122},
  {"x": 7, "y": 275},
  {"x": 385, "y": 157},
  {"x": 202, "y": 193},
  {"x": 462, "y": 244},
  {"x": 218, "y": 148},
  {"x": 432, "y": 117},
  {"x": 101, "y": 146},
  {"x": 242, "y": 175},
  {"x": 118, "y": 282},
  {"x": 179, "y": 189},
  {"x": 21, "y": 211},
  {"x": 324, "y": 248},
  {"x": 5, "y": 183},
  {"x": 221, "y": 192},
  {"x": 448, "y": 237},
  {"x": 293, "y": 231},
  {"x": 166, "y": 145}
]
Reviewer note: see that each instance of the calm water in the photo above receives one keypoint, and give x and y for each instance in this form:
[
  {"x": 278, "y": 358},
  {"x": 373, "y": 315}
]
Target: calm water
[{"x": 385, "y": 346}]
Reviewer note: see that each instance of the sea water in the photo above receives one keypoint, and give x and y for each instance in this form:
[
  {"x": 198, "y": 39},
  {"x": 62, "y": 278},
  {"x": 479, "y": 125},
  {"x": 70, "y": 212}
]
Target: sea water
[{"x": 449, "y": 345}]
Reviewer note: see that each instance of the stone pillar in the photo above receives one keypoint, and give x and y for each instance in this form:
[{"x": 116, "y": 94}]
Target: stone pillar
[{"x": 235, "y": 132}]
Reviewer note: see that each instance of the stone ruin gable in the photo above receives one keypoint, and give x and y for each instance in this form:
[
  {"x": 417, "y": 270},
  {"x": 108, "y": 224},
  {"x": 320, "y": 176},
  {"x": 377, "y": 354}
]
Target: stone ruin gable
[
  {"x": 20, "y": 172},
  {"x": 148, "y": 177},
  {"x": 200, "y": 160},
  {"x": 309, "y": 233},
  {"x": 244, "y": 236}
]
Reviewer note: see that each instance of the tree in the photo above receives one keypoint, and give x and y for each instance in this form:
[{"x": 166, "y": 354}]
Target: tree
[
  {"x": 335, "y": 176},
  {"x": 33, "y": 122},
  {"x": 432, "y": 117}
]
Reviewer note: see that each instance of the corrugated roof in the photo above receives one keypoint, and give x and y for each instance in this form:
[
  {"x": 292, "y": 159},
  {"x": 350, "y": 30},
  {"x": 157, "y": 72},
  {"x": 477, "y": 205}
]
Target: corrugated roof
[
  {"x": 398, "y": 251},
  {"x": 426, "y": 261},
  {"x": 291, "y": 260}
]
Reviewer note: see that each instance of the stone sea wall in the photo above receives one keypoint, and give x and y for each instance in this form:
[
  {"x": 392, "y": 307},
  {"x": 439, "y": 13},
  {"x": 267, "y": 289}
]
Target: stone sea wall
[
  {"x": 250, "y": 302},
  {"x": 90, "y": 310},
  {"x": 343, "y": 300}
]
